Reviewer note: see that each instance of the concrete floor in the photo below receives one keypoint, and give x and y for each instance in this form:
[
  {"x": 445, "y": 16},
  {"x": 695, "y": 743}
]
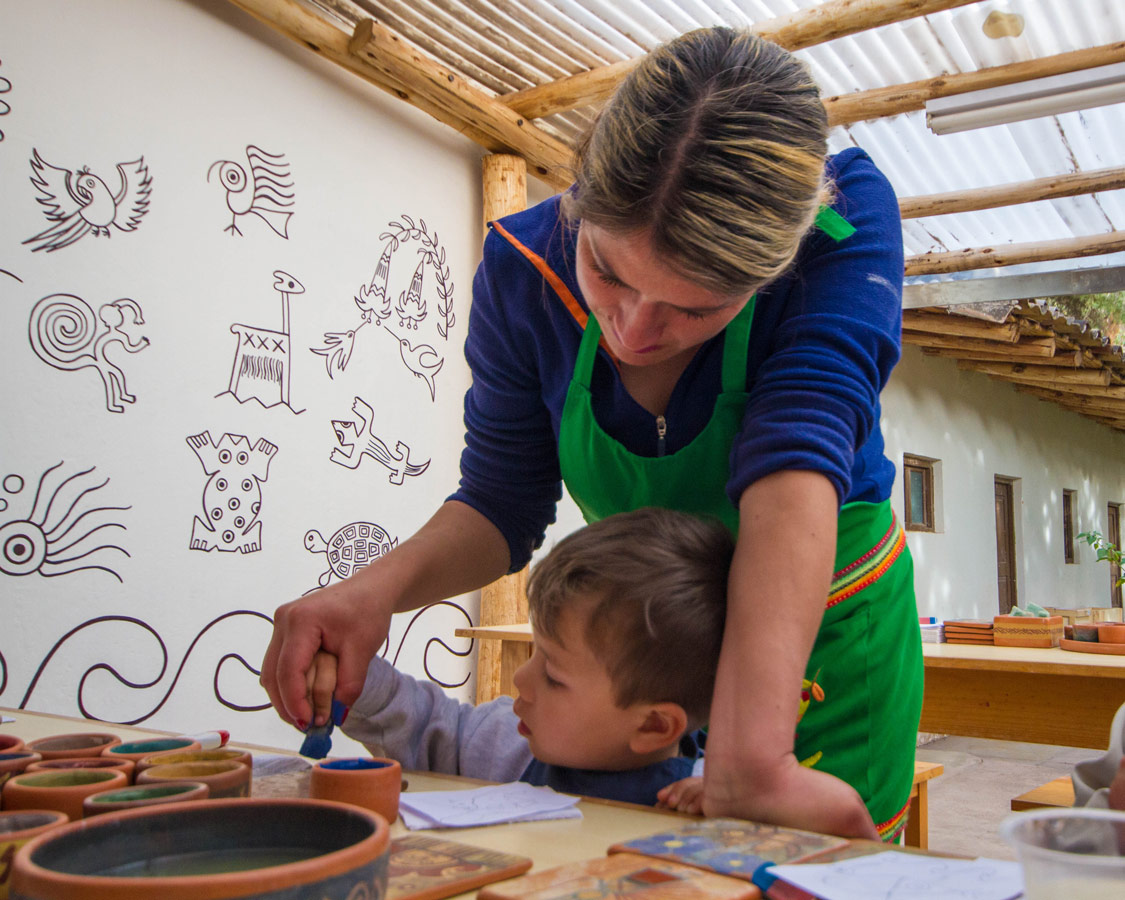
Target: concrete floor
[{"x": 973, "y": 796}]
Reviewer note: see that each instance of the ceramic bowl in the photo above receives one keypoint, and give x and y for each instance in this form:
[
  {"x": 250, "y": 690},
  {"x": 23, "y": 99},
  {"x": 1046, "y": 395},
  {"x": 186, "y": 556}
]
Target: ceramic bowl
[
  {"x": 371, "y": 782},
  {"x": 173, "y": 757},
  {"x": 16, "y": 829},
  {"x": 63, "y": 791},
  {"x": 85, "y": 743},
  {"x": 136, "y": 750},
  {"x": 226, "y": 778},
  {"x": 84, "y": 762},
  {"x": 1111, "y": 634},
  {"x": 12, "y": 763},
  {"x": 138, "y": 796},
  {"x": 9, "y": 743},
  {"x": 249, "y": 849}
]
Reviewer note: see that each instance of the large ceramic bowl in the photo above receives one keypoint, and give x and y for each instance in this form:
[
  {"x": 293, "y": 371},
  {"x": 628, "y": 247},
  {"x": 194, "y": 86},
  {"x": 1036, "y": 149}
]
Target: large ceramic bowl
[
  {"x": 62, "y": 790},
  {"x": 215, "y": 850}
]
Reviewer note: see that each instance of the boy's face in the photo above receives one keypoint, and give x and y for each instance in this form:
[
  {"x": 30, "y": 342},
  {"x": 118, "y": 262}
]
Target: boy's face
[{"x": 566, "y": 704}]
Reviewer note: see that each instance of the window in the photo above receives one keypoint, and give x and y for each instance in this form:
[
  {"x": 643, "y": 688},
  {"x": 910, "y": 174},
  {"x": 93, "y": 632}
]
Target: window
[
  {"x": 918, "y": 484},
  {"x": 1068, "y": 526}
]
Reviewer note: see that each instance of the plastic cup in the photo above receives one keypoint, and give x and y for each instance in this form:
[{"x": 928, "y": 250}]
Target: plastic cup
[{"x": 1069, "y": 854}]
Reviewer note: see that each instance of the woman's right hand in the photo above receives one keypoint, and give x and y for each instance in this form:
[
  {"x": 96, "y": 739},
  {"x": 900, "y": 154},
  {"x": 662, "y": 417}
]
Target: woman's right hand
[{"x": 347, "y": 620}]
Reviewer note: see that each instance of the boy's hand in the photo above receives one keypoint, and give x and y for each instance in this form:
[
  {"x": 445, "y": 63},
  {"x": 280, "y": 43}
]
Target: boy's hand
[
  {"x": 1117, "y": 789},
  {"x": 685, "y": 795},
  {"x": 321, "y": 681}
]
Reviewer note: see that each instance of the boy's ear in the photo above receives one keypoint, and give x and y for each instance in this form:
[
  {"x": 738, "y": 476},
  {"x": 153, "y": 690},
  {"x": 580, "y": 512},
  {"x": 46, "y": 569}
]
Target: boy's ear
[{"x": 663, "y": 725}]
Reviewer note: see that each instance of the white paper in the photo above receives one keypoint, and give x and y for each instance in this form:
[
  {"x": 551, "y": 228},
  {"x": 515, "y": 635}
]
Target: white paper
[
  {"x": 515, "y": 802},
  {"x": 906, "y": 876},
  {"x": 4, "y": 720}
]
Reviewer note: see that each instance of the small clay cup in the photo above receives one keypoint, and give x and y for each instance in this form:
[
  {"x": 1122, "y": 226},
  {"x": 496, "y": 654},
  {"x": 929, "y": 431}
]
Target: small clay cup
[
  {"x": 174, "y": 757},
  {"x": 136, "y": 796},
  {"x": 136, "y": 750},
  {"x": 371, "y": 782},
  {"x": 19, "y": 827},
  {"x": 85, "y": 762},
  {"x": 225, "y": 778},
  {"x": 61, "y": 746},
  {"x": 9, "y": 743},
  {"x": 14, "y": 762},
  {"x": 1086, "y": 631},
  {"x": 63, "y": 791},
  {"x": 1111, "y": 634}
]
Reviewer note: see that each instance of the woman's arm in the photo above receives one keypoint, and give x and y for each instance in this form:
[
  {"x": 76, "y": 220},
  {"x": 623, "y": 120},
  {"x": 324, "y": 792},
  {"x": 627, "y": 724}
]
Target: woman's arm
[
  {"x": 457, "y": 550},
  {"x": 779, "y": 581}
]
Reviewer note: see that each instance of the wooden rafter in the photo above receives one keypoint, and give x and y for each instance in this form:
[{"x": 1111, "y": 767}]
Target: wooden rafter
[
  {"x": 1014, "y": 254},
  {"x": 802, "y": 28}
]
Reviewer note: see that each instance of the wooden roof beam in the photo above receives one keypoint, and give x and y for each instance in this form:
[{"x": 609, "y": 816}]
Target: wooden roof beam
[
  {"x": 1036, "y": 376},
  {"x": 960, "y": 326},
  {"x": 802, "y": 28},
  {"x": 1043, "y": 348},
  {"x": 1014, "y": 254},
  {"x": 900, "y": 98},
  {"x": 1051, "y": 187}
]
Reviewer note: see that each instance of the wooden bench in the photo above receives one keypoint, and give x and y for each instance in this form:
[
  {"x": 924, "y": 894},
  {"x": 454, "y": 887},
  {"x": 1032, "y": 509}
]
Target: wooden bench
[
  {"x": 918, "y": 817},
  {"x": 1059, "y": 792}
]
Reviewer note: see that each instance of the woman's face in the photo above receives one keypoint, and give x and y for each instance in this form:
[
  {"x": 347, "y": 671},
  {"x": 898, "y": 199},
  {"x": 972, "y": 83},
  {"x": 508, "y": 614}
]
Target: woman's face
[{"x": 648, "y": 312}]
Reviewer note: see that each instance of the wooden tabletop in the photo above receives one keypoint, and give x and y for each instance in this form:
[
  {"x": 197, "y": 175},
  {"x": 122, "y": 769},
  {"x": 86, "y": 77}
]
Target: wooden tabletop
[{"x": 1032, "y": 660}]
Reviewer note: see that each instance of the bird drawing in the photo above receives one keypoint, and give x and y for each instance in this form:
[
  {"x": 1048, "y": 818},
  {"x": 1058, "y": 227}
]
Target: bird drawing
[
  {"x": 419, "y": 360},
  {"x": 337, "y": 349},
  {"x": 77, "y": 203},
  {"x": 266, "y": 192}
]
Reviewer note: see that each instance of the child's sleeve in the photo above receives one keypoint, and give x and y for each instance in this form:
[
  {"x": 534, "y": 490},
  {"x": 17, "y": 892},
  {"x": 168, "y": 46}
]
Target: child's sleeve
[
  {"x": 1092, "y": 778},
  {"x": 418, "y": 724}
]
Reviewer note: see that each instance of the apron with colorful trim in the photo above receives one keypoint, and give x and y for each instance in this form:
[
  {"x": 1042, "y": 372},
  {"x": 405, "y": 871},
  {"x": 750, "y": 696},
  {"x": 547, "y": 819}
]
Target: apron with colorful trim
[{"x": 862, "y": 695}]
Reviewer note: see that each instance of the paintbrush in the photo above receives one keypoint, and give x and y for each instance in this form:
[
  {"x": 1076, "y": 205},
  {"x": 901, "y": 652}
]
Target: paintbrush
[{"x": 318, "y": 738}]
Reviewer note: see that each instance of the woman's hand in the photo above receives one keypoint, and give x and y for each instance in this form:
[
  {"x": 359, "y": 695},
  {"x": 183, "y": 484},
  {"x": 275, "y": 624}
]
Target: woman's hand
[{"x": 789, "y": 794}]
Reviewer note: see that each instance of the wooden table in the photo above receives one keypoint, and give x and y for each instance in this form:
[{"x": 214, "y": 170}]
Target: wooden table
[{"x": 1039, "y": 696}]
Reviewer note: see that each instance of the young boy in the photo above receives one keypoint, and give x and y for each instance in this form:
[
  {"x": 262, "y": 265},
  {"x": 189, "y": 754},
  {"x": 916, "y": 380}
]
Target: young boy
[{"x": 627, "y": 616}]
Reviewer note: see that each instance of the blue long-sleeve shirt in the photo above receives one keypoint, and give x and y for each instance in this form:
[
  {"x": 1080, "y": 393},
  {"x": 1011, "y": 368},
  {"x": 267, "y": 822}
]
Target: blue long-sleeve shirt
[{"x": 826, "y": 335}]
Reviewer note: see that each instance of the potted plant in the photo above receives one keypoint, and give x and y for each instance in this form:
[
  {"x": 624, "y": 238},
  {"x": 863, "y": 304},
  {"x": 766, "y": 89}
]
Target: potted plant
[{"x": 1107, "y": 551}]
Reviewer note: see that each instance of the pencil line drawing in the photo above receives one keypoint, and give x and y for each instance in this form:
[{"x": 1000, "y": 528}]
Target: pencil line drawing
[
  {"x": 267, "y": 192},
  {"x": 66, "y": 335},
  {"x": 262, "y": 356},
  {"x": 375, "y": 304},
  {"x": 39, "y": 542},
  {"x": 80, "y": 202},
  {"x": 92, "y": 628},
  {"x": 11, "y": 275},
  {"x": 232, "y": 497},
  {"x": 349, "y": 549},
  {"x": 5, "y": 108},
  {"x": 355, "y": 440},
  {"x": 432, "y": 641}
]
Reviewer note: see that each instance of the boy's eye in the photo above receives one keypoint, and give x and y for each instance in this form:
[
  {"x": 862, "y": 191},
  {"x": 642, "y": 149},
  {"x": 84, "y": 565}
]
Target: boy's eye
[{"x": 551, "y": 682}]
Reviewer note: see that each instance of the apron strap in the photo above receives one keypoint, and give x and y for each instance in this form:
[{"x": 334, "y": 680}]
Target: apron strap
[
  {"x": 587, "y": 351},
  {"x": 833, "y": 224},
  {"x": 736, "y": 340}
]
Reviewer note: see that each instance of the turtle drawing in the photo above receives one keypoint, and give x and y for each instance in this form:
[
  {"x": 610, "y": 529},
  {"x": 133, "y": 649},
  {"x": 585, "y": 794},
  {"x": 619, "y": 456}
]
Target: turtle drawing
[{"x": 350, "y": 548}]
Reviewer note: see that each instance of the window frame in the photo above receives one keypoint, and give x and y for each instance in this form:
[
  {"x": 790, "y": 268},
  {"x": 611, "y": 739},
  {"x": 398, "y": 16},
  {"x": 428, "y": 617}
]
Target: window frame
[
  {"x": 913, "y": 463},
  {"x": 1068, "y": 505}
]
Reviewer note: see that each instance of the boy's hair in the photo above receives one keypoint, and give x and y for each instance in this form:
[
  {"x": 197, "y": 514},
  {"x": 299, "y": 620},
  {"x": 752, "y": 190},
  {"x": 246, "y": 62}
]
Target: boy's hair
[{"x": 652, "y": 587}]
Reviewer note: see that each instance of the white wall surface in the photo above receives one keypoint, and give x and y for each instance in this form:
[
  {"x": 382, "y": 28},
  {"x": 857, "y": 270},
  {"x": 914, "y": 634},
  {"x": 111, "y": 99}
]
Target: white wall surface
[
  {"x": 981, "y": 429},
  {"x": 163, "y": 633}
]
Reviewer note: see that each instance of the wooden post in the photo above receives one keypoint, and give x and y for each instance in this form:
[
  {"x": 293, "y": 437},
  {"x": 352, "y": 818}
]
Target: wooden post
[{"x": 504, "y": 601}]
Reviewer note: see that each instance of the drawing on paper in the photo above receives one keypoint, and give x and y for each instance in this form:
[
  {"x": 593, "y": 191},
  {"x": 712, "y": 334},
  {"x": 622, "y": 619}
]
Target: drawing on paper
[
  {"x": 349, "y": 549},
  {"x": 5, "y": 87},
  {"x": 67, "y": 335},
  {"x": 355, "y": 440},
  {"x": 232, "y": 497},
  {"x": 376, "y": 303},
  {"x": 77, "y": 203},
  {"x": 266, "y": 192},
  {"x": 57, "y": 537},
  {"x": 11, "y": 275},
  {"x": 104, "y": 631},
  {"x": 262, "y": 356}
]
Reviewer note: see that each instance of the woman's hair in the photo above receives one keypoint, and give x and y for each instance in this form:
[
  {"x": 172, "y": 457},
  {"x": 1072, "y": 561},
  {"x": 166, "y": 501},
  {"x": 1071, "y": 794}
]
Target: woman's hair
[
  {"x": 649, "y": 588},
  {"x": 716, "y": 144}
]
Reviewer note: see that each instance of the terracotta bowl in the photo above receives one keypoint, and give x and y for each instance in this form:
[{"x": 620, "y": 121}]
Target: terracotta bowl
[
  {"x": 16, "y": 829},
  {"x": 136, "y": 750},
  {"x": 224, "y": 779},
  {"x": 210, "y": 851},
  {"x": 63, "y": 791},
  {"x": 173, "y": 757},
  {"x": 371, "y": 782},
  {"x": 86, "y": 743},
  {"x": 14, "y": 762},
  {"x": 1111, "y": 634},
  {"x": 136, "y": 797},
  {"x": 84, "y": 762},
  {"x": 9, "y": 743}
]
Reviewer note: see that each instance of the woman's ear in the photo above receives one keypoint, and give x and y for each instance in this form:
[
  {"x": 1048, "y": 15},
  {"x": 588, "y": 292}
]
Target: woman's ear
[{"x": 663, "y": 725}]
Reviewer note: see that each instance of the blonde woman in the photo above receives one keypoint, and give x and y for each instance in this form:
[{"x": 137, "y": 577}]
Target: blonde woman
[{"x": 703, "y": 322}]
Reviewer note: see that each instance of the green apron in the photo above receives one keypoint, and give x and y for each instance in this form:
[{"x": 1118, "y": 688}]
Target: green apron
[{"x": 862, "y": 695}]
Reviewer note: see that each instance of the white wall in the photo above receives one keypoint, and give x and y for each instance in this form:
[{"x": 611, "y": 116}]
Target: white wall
[
  {"x": 185, "y": 84},
  {"x": 979, "y": 429}
]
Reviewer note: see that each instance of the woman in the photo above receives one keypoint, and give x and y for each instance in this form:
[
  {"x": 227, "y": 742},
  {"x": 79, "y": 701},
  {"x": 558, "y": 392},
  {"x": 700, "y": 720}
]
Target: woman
[{"x": 691, "y": 326}]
